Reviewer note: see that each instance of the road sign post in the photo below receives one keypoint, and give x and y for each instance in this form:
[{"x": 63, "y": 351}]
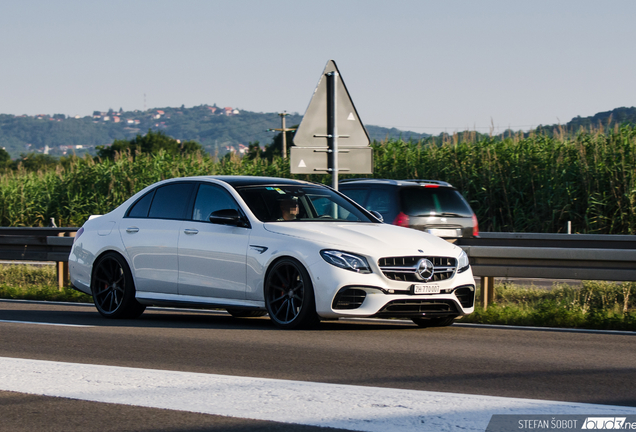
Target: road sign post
[
  {"x": 332, "y": 126},
  {"x": 331, "y": 116}
]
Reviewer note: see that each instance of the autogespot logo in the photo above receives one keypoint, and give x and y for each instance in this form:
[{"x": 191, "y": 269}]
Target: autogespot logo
[
  {"x": 425, "y": 270},
  {"x": 599, "y": 423}
]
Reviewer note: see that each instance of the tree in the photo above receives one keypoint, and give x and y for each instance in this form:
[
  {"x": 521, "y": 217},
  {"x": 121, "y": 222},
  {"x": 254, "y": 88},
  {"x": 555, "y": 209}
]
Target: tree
[
  {"x": 5, "y": 157},
  {"x": 35, "y": 161},
  {"x": 151, "y": 143}
]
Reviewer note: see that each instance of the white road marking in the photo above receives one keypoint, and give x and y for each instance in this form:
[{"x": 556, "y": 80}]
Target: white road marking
[
  {"x": 44, "y": 323},
  {"x": 332, "y": 405}
]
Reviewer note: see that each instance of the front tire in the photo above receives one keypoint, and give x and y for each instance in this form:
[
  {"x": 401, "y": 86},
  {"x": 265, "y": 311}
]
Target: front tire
[
  {"x": 113, "y": 288},
  {"x": 434, "y": 322},
  {"x": 289, "y": 295}
]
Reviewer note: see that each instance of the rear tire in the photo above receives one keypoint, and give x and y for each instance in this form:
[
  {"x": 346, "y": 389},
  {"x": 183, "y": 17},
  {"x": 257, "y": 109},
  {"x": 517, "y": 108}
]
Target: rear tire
[
  {"x": 113, "y": 288},
  {"x": 289, "y": 295},
  {"x": 434, "y": 322}
]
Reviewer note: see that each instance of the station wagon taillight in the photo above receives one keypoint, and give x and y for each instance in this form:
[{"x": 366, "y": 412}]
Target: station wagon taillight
[
  {"x": 401, "y": 220},
  {"x": 475, "y": 226}
]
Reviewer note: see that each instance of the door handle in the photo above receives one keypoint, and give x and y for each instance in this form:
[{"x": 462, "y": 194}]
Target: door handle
[
  {"x": 132, "y": 229},
  {"x": 191, "y": 231}
]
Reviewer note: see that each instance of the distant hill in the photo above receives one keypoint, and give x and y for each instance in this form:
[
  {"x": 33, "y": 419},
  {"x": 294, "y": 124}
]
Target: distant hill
[
  {"x": 218, "y": 129},
  {"x": 621, "y": 115}
]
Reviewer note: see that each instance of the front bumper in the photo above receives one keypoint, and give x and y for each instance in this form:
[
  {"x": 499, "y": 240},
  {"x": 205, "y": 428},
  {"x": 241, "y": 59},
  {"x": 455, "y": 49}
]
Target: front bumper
[{"x": 342, "y": 293}]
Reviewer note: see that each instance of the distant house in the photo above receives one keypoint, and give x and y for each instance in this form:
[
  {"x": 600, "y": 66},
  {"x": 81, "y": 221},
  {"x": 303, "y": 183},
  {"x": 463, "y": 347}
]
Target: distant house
[
  {"x": 129, "y": 121},
  {"x": 212, "y": 109},
  {"x": 228, "y": 111},
  {"x": 160, "y": 112},
  {"x": 115, "y": 119}
]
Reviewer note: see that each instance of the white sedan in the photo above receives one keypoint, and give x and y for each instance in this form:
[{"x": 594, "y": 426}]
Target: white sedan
[{"x": 295, "y": 250}]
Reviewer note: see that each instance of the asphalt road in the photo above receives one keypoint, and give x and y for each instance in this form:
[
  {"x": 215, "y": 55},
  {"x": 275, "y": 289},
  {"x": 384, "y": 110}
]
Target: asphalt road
[{"x": 563, "y": 366}]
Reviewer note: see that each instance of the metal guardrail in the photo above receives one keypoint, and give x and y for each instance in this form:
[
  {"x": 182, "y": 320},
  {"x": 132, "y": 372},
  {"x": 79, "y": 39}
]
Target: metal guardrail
[
  {"x": 520, "y": 255},
  {"x": 549, "y": 256},
  {"x": 39, "y": 244}
]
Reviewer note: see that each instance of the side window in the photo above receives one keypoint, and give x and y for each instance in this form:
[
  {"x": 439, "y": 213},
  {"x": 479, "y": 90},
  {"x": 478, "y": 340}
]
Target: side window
[
  {"x": 379, "y": 201},
  {"x": 358, "y": 195},
  {"x": 141, "y": 207},
  {"x": 171, "y": 201},
  {"x": 211, "y": 198}
]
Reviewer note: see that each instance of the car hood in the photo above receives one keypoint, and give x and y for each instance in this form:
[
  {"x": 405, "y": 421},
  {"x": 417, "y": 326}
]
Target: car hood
[{"x": 366, "y": 238}]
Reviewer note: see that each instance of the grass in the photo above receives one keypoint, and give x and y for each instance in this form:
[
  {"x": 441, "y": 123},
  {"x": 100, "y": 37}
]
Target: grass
[
  {"x": 592, "y": 305},
  {"x": 29, "y": 282}
]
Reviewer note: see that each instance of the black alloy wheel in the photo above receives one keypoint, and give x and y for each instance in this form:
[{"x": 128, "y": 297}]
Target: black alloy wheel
[
  {"x": 113, "y": 288},
  {"x": 289, "y": 295},
  {"x": 434, "y": 322}
]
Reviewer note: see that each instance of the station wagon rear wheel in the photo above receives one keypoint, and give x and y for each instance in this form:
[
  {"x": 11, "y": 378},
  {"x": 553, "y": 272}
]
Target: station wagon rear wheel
[
  {"x": 289, "y": 295},
  {"x": 113, "y": 288}
]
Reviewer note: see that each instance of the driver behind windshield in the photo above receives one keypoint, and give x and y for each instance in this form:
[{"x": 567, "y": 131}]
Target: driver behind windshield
[{"x": 289, "y": 209}]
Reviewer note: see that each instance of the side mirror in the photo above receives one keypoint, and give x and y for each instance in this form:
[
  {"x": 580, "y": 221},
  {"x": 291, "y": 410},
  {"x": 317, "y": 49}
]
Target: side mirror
[
  {"x": 377, "y": 215},
  {"x": 228, "y": 217}
]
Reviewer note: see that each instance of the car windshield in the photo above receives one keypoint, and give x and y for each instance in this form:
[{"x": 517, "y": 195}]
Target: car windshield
[
  {"x": 285, "y": 203},
  {"x": 439, "y": 201}
]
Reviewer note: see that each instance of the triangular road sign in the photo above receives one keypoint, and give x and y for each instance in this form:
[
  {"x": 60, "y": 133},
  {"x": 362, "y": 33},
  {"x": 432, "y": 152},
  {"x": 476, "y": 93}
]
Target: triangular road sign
[{"x": 313, "y": 128}]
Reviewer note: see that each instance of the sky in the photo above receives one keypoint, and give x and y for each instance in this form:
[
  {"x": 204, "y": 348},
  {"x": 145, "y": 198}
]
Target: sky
[{"x": 419, "y": 65}]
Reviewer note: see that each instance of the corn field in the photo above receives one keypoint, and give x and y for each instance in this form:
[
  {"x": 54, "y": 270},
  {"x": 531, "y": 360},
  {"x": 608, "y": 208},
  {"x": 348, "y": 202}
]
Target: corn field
[{"x": 518, "y": 184}]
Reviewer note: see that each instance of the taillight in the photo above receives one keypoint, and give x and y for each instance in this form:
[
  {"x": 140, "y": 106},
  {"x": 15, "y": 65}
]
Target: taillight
[
  {"x": 78, "y": 234},
  {"x": 475, "y": 226},
  {"x": 401, "y": 220}
]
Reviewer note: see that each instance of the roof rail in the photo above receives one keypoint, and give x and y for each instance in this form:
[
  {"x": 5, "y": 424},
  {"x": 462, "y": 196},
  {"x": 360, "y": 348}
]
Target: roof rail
[
  {"x": 394, "y": 181},
  {"x": 438, "y": 182},
  {"x": 356, "y": 179}
]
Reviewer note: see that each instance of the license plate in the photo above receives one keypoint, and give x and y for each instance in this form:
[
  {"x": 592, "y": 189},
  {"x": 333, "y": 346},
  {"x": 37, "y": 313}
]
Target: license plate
[
  {"x": 440, "y": 232},
  {"x": 425, "y": 289}
]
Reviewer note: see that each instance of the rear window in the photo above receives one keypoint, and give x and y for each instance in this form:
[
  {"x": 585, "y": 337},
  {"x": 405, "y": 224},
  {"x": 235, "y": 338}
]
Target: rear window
[
  {"x": 141, "y": 207},
  {"x": 171, "y": 201},
  {"x": 426, "y": 201}
]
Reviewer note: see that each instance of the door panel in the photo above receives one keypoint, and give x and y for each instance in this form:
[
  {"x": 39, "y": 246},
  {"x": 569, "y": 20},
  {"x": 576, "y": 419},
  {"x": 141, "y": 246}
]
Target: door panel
[
  {"x": 150, "y": 233},
  {"x": 212, "y": 260},
  {"x": 151, "y": 245},
  {"x": 212, "y": 257}
]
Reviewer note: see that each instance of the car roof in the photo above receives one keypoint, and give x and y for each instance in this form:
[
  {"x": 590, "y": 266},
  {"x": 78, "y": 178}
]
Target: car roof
[
  {"x": 391, "y": 182},
  {"x": 238, "y": 181}
]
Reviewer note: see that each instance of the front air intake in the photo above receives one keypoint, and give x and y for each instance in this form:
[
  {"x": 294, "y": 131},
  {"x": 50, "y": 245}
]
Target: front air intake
[{"x": 349, "y": 298}]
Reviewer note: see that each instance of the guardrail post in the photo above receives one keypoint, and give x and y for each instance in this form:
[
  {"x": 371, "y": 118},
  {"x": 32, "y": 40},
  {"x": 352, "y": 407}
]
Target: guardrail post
[
  {"x": 62, "y": 267},
  {"x": 487, "y": 291}
]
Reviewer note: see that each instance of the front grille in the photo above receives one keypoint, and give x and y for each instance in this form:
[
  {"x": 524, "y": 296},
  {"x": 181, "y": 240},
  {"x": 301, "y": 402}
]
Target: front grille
[
  {"x": 404, "y": 268},
  {"x": 466, "y": 296},
  {"x": 418, "y": 307},
  {"x": 350, "y": 298}
]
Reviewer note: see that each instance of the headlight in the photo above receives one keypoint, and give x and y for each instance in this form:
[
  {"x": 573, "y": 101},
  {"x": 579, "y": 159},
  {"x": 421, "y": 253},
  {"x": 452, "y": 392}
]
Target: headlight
[
  {"x": 462, "y": 262},
  {"x": 346, "y": 261}
]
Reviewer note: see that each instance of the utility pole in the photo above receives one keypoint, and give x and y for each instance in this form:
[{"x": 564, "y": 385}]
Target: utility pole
[{"x": 284, "y": 130}]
